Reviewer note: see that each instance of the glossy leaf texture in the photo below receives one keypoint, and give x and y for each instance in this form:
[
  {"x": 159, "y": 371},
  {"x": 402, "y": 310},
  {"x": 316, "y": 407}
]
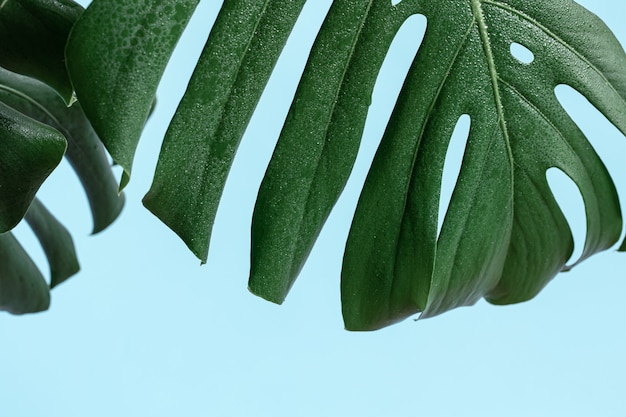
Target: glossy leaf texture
[
  {"x": 84, "y": 152},
  {"x": 32, "y": 143},
  {"x": 224, "y": 89},
  {"x": 503, "y": 237},
  {"x": 319, "y": 141},
  {"x": 22, "y": 287},
  {"x": 116, "y": 55},
  {"x": 29, "y": 152},
  {"x": 34, "y": 33}
]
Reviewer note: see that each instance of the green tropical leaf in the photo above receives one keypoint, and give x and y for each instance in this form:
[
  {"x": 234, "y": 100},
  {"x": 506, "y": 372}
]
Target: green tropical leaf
[
  {"x": 319, "y": 141},
  {"x": 22, "y": 287},
  {"x": 84, "y": 152},
  {"x": 33, "y": 34},
  {"x": 29, "y": 151},
  {"x": 211, "y": 119},
  {"x": 30, "y": 100},
  {"x": 116, "y": 55},
  {"x": 504, "y": 236},
  {"x": 56, "y": 242}
]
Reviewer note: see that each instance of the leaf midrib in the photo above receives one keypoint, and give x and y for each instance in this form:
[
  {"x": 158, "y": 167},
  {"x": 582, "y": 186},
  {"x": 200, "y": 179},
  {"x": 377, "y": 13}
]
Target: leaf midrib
[
  {"x": 479, "y": 20},
  {"x": 237, "y": 72},
  {"x": 558, "y": 39},
  {"x": 205, "y": 183},
  {"x": 493, "y": 73}
]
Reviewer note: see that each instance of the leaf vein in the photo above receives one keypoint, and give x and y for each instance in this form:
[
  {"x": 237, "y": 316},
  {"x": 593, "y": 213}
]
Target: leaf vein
[
  {"x": 427, "y": 117},
  {"x": 559, "y": 40}
]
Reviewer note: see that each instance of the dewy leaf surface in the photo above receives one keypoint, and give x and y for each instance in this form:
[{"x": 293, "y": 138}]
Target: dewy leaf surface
[
  {"x": 116, "y": 55},
  {"x": 504, "y": 236},
  {"x": 29, "y": 151},
  {"x": 319, "y": 141},
  {"x": 34, "y": 34},
  {"x": 233, "y": 69},
  {"x": 84, "y": 151}
]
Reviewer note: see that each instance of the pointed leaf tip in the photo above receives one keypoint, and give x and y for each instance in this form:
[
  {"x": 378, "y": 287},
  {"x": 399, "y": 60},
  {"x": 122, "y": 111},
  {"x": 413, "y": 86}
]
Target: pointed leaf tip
[{"x": 234, "y": 67}]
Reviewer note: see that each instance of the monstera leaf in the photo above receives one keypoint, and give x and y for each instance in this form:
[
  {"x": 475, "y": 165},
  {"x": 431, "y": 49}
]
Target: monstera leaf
[
  {"x": 116, "y": 55},
  {"x": 41, "y": 131},
  {"x": 36, "y": 130},
  {"x": 30, "y": 151},
  {"x": 504, "y": 236},
  {"x": 34, "y": 33},
  {"x": 85, "y": 152}
]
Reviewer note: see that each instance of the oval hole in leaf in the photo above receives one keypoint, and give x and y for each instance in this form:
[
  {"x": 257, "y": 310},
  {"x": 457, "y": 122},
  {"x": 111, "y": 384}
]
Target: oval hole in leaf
[
  {"x": 389, "y": 82},
  {"x": 396, "y": 64},
  {"x": 452, "y": 165},
  {"x": 568, "y": 196},
  {"x": 521, "y": 53},
  {"x": 604, "y": 137}
]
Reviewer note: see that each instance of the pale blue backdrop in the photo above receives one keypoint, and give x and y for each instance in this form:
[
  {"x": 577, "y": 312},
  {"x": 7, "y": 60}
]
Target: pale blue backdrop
[{"x": 144, "y": 330}]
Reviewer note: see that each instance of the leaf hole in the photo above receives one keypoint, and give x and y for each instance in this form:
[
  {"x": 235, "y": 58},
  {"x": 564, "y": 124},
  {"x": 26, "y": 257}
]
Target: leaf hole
[
  {"x": 395, "y": 2},
  {"x": 605, "y": 139},
  {"x": 452, "y": 165},
  {"x": 521, "y": 53},
  {"x": 389, "y": 82},
  {"x": 570, "y": 200},
  {"x": 397, "y": 62}
]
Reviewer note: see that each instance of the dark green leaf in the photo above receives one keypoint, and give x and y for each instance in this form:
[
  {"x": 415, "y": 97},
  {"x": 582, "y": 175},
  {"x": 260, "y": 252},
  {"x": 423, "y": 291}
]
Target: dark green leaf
[
  {"x": 320, "y": 140},
  {"x": 116, "y": 55},
  {"x": 29, "y": 151},
  {"x": 504, "y": 237},
  {"x": 34, "y": 33},
  {"x": 22, "y": 287},
  {"x": 56, "y": 242},
  {"x": 230, "y": 76},
  {"x": 84, "y": 152}
]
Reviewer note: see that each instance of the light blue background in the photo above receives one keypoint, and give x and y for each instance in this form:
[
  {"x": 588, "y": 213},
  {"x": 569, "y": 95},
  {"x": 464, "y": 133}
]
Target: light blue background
[{"x": 143, "y": 330}]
